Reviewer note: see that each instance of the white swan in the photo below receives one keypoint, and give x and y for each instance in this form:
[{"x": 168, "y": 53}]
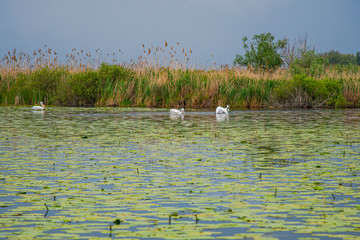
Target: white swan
[
  {"x": 39, "y": 108},
  {"x": 177, "y": 112},
  {"x": 221, "y": 110}
]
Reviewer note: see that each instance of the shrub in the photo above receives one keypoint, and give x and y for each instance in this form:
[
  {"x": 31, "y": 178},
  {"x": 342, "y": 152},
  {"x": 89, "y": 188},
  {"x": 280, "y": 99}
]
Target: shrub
[
  {"x": 112, "y": 73},
  {"x": 44, "y": 82},
  {"x": 303, "y": 91},
  {"x": 85, "y": 87}
]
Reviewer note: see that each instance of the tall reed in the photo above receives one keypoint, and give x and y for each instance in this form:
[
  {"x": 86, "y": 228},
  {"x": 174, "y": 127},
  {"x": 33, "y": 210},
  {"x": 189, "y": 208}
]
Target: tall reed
[{"x": 164, "y": 76}]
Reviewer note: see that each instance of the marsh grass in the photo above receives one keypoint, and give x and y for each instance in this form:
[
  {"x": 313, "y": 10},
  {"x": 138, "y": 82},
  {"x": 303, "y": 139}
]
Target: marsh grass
[{"x": 164, "y": 76}]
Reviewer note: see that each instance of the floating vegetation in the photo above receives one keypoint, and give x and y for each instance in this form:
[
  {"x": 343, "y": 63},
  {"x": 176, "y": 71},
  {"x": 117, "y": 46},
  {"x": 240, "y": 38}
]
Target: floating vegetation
[{"x": 139, "y": 174}]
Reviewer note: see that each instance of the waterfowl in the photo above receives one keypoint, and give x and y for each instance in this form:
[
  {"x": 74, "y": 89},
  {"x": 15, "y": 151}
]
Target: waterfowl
[
  {"x": 177, "y": 112},
  {"x": 39, "y": 108},
  {"x": 221, "y": 110}
]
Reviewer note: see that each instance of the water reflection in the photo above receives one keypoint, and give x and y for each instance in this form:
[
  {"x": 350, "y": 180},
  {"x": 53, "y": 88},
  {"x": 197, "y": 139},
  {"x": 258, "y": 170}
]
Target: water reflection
[
  {"x": 39, "y": 113},
  {"x": 177, "y": 117},
  {"x": 222, "y": 117}
]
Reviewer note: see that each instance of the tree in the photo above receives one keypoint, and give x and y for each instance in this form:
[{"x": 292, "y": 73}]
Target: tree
[
  {"x": 261, "y": 52},
  {"x": 335, "y": 57},
  {"x": 358, "y": 58}
]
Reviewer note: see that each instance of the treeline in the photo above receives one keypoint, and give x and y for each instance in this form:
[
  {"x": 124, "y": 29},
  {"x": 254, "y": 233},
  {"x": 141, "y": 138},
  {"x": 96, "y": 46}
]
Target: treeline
[
  {"x": 337, "y": 58},
  {"x": 262, "y": 52}
]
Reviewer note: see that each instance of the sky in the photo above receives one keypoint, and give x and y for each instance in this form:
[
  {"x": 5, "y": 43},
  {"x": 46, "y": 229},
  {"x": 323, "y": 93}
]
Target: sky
[{"x": 212, "y": 29}]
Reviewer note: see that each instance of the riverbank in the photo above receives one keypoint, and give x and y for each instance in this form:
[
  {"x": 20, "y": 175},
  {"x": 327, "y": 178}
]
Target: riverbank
[{"x": 148, "y": 85}]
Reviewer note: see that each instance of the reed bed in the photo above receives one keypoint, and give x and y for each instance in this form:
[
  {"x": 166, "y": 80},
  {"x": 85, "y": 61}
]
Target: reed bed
[{"x": 164, "y": 76}]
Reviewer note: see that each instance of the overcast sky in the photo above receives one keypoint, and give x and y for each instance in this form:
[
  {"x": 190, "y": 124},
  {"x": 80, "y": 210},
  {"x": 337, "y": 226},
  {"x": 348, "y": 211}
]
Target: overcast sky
[{"x": 208, "y": 27}]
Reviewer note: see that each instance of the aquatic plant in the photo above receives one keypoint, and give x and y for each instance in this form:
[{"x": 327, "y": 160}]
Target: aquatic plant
[{"x": 138, "y": 174}]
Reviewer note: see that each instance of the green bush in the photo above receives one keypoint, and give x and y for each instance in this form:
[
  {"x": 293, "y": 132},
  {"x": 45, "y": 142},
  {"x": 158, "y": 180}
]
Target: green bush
[
  {"x": 85, "y": 87},
  {"x": 341, "y": 101},
  {"x": 31, "y": 88},
  {"x": 112, "y": 73},
  {"x": 44, "y": 83},
  {"x": 303, "y": 91}
]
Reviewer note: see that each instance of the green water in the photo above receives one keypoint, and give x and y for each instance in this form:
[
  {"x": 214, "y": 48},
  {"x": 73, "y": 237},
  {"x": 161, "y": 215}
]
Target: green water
[{"x": 138, "y": 174}]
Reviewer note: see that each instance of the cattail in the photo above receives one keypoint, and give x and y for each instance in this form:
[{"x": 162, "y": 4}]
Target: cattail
[{"x": 166, "y": 44}]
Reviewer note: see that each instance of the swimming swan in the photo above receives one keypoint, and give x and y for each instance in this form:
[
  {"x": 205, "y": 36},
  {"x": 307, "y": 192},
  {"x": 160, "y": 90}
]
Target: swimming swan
[
  {"x": 39, "y": 108},
  {"x": 221, "y": 110},
  {"x": 177, "y": 112}
]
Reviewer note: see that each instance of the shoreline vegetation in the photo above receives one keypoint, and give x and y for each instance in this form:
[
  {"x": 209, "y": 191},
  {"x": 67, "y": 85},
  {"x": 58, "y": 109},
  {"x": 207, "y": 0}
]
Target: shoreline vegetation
[{"x": 167, "y": 77}]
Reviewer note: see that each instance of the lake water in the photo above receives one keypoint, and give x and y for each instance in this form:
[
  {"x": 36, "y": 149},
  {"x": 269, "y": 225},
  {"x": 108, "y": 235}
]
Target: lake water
[{"x": 139, "y": 174}]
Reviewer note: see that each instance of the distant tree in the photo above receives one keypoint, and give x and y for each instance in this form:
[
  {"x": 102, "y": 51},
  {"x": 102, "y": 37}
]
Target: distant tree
[
  {"x": 358, "y": 58},
  {"x": 262, "y": 52},
  {"x": 335, "y": 57}
]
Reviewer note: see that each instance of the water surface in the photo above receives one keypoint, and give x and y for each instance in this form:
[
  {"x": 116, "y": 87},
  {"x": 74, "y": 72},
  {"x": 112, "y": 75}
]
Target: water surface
[{"x": 140, "y": 174}]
